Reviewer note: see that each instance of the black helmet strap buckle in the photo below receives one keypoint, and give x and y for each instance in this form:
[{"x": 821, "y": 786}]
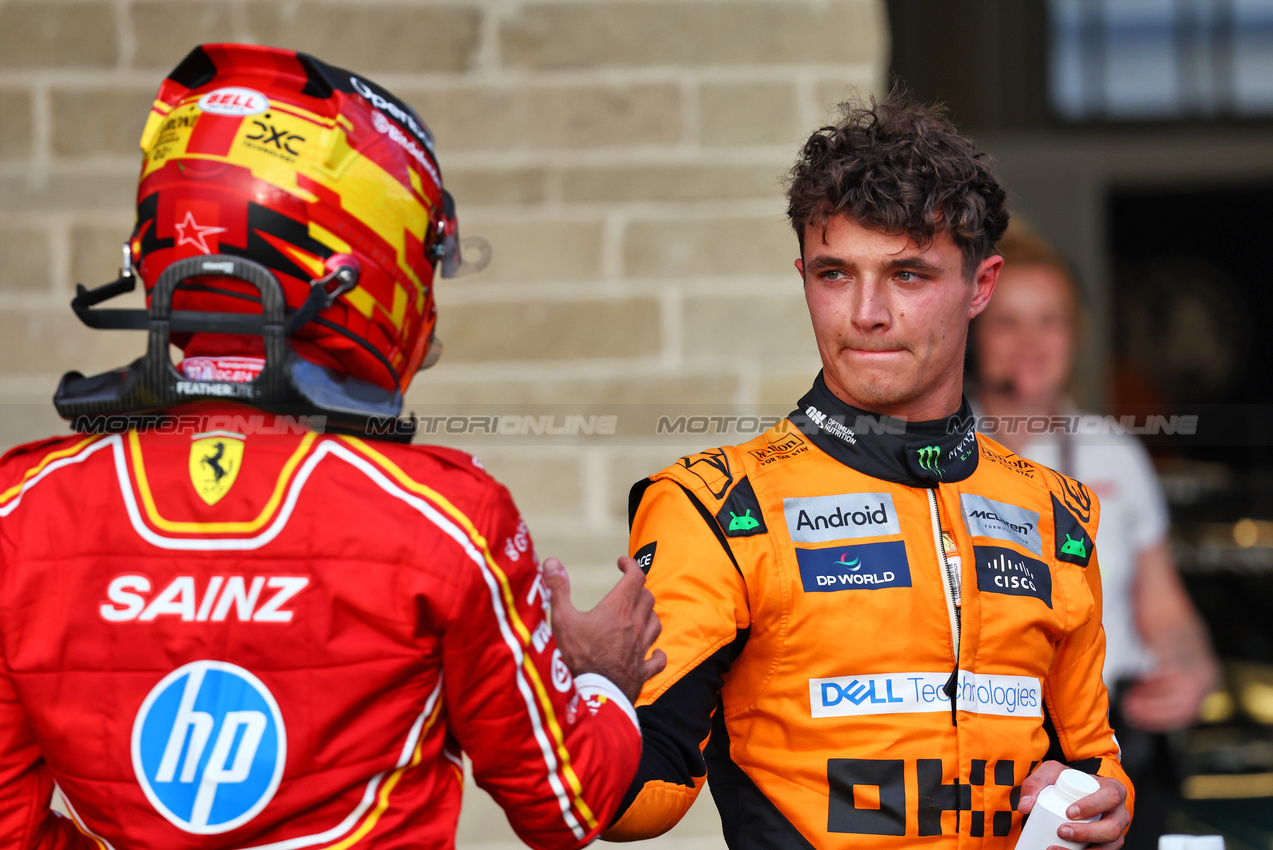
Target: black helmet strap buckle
[
  {"x": 323, "y": 293},
  {"x": 286, "y": 384}
]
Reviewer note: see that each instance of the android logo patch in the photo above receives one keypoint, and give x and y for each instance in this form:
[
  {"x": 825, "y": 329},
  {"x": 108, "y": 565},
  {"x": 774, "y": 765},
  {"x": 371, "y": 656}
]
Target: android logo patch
[{"x": 740, "y": 514}]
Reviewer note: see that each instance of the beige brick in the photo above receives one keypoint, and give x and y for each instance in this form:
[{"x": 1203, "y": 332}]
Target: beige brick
[
  {"x": 96, "y": 255},
  {"x": 38, "y": 34},
  {"x": 90, "y": 122},
  {"x": 542, "y": 486},
  {"x": 831, "y": 93},
  {"x": 474, "y": 186},
  {"x": 550, "y": 117},
  {"x": 29, "y": 416},
  {"x": 624, "y": 470},
  {"x": 620, "y": 396},
  {"x": 551, "y": 330},
  {"x": 615, "y": 413},
  {"x": 536, "y": 250},
  {"x": 591, "y": 561},
  {"x": 371, "y": 37},
  {"x": 113, "y": 192},
  {"x": 776, "y": 325},
  {"x": 717, "y": 246},
  {"x": 52, "y": 341},
  {"x": 672, "y": 182},
  {"x": 750, "y": 114},
  {"x": 786, "y": 389},
  {"x": 164, "y": 31},
  {"x": 730, "y": 32},
  {"x": 25, "y": 259},
  {"x": 15, "y": 129}
]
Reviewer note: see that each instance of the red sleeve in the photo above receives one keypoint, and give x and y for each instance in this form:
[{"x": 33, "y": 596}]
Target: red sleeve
[
  {"x": 26, "y": 822},
  {"x": 556, "y": 754}
]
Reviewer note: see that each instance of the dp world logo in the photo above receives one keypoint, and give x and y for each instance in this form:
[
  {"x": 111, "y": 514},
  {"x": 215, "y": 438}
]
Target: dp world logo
[{"x": 209, "y": 746}]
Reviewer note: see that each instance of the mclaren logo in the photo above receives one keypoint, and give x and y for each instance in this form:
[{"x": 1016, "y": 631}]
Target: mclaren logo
[
  {"x": 215, "y": 458},
  {"x": 929, "y": 457}
]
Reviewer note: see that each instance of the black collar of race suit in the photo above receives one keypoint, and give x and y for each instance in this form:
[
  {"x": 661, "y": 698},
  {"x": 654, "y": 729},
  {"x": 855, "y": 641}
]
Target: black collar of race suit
[{"x": 916, "y": 454}]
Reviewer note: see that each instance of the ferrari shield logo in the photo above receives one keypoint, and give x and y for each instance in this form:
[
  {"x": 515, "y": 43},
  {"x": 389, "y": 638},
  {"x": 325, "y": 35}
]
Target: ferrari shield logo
[{"x": 215, "y": 459}]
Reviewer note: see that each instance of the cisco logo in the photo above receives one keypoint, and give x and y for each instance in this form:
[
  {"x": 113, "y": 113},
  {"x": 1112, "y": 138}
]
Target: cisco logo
[{"x": 208, "y": 747}]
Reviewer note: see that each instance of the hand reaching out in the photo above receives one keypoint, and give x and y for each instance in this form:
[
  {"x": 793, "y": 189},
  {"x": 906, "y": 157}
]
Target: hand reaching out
[{"x": 613, "y": 638}]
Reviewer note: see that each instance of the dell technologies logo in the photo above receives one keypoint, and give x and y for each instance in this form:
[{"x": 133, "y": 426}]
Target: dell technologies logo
[
  {"x": 925, "y": 692},
  {"x": 821, "y": 519}
]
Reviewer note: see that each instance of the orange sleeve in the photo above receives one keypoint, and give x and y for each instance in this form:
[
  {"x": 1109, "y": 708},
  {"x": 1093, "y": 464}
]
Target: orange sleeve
[
  {"x": 701, "y": 599},
  {"x": 1077, "y": 699}
]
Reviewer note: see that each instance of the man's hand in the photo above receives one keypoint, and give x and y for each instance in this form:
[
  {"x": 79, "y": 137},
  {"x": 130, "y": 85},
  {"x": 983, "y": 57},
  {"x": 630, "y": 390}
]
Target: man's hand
[
  {"x": 613, "y": 638},
  {"x": 1110, "y": 802},
  {"x": 1167, "y": 699}
]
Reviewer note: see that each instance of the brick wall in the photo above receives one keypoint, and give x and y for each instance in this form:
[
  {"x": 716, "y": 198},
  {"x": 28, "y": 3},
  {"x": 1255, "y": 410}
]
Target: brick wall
[{"x": 621, "y": 157}]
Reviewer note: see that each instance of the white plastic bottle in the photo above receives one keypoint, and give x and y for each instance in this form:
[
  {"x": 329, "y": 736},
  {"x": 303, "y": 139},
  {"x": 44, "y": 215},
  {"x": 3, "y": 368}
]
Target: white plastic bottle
[
  {"x": 1175, "y": 841},
  {"x": 1048, "y": 813}
]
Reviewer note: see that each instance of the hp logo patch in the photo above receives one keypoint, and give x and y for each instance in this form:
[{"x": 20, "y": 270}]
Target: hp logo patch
[{"x": 209, "y": 746}]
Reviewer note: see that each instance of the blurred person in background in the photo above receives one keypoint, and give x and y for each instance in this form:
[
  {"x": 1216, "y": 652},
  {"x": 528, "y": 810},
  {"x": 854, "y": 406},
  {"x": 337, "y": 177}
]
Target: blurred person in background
[
  {"x": 233, "y": 621},
  {"x": 1158, "y": 660}
]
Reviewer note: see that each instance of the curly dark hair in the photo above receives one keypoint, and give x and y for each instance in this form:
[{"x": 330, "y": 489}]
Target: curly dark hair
[{"x": 899, "y": 167}]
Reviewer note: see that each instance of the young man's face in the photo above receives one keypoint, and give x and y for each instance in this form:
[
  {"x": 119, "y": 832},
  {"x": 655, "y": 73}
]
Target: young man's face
[{"x": 891, "y": 320}]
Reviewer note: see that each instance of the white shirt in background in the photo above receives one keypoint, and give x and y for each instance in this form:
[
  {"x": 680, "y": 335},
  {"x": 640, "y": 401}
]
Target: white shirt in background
[{"x": 1134, "y": 517}]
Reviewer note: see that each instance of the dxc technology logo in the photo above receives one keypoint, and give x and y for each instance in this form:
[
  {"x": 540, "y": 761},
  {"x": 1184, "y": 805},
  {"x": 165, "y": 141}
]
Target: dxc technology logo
[{"x": 209, "y": 746}]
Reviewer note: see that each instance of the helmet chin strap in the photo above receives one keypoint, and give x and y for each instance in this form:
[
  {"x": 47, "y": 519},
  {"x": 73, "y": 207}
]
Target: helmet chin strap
[{"x": 287, "y": 382}]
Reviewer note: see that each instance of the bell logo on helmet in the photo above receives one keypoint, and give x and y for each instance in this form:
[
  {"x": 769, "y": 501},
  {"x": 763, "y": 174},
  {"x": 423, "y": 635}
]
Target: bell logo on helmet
[
  {"x": 234, "y": 101},
  {"x": 208, "y": 747}
]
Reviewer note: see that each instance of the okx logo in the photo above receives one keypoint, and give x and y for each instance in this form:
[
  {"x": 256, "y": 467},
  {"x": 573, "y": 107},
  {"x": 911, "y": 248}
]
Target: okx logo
[
  {"x": 208, "y": 747},
  {"x": 929, "y": 459}
]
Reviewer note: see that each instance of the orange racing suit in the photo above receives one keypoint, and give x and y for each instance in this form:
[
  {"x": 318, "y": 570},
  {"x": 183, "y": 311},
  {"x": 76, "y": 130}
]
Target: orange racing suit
[{"x": 875, "y": 631}]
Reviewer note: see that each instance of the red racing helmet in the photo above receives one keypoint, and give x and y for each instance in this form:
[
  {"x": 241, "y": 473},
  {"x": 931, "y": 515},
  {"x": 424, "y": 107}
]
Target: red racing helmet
[{"x": 261, "y": 160}]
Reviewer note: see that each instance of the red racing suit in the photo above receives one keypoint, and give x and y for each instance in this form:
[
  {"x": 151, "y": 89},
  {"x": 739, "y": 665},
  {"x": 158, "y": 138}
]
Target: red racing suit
[{"x": 225, "y": 630}]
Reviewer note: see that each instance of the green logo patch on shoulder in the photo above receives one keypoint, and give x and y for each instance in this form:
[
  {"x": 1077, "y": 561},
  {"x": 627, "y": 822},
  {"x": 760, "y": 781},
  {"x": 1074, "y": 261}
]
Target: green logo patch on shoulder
[
  {"x": 1073, "y": 543},
  {"x": 740, "y": 515}
]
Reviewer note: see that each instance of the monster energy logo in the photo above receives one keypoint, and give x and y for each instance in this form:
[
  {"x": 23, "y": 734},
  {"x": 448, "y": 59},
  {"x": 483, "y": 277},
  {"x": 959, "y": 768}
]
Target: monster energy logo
[{"x": 928, "y": 458}]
